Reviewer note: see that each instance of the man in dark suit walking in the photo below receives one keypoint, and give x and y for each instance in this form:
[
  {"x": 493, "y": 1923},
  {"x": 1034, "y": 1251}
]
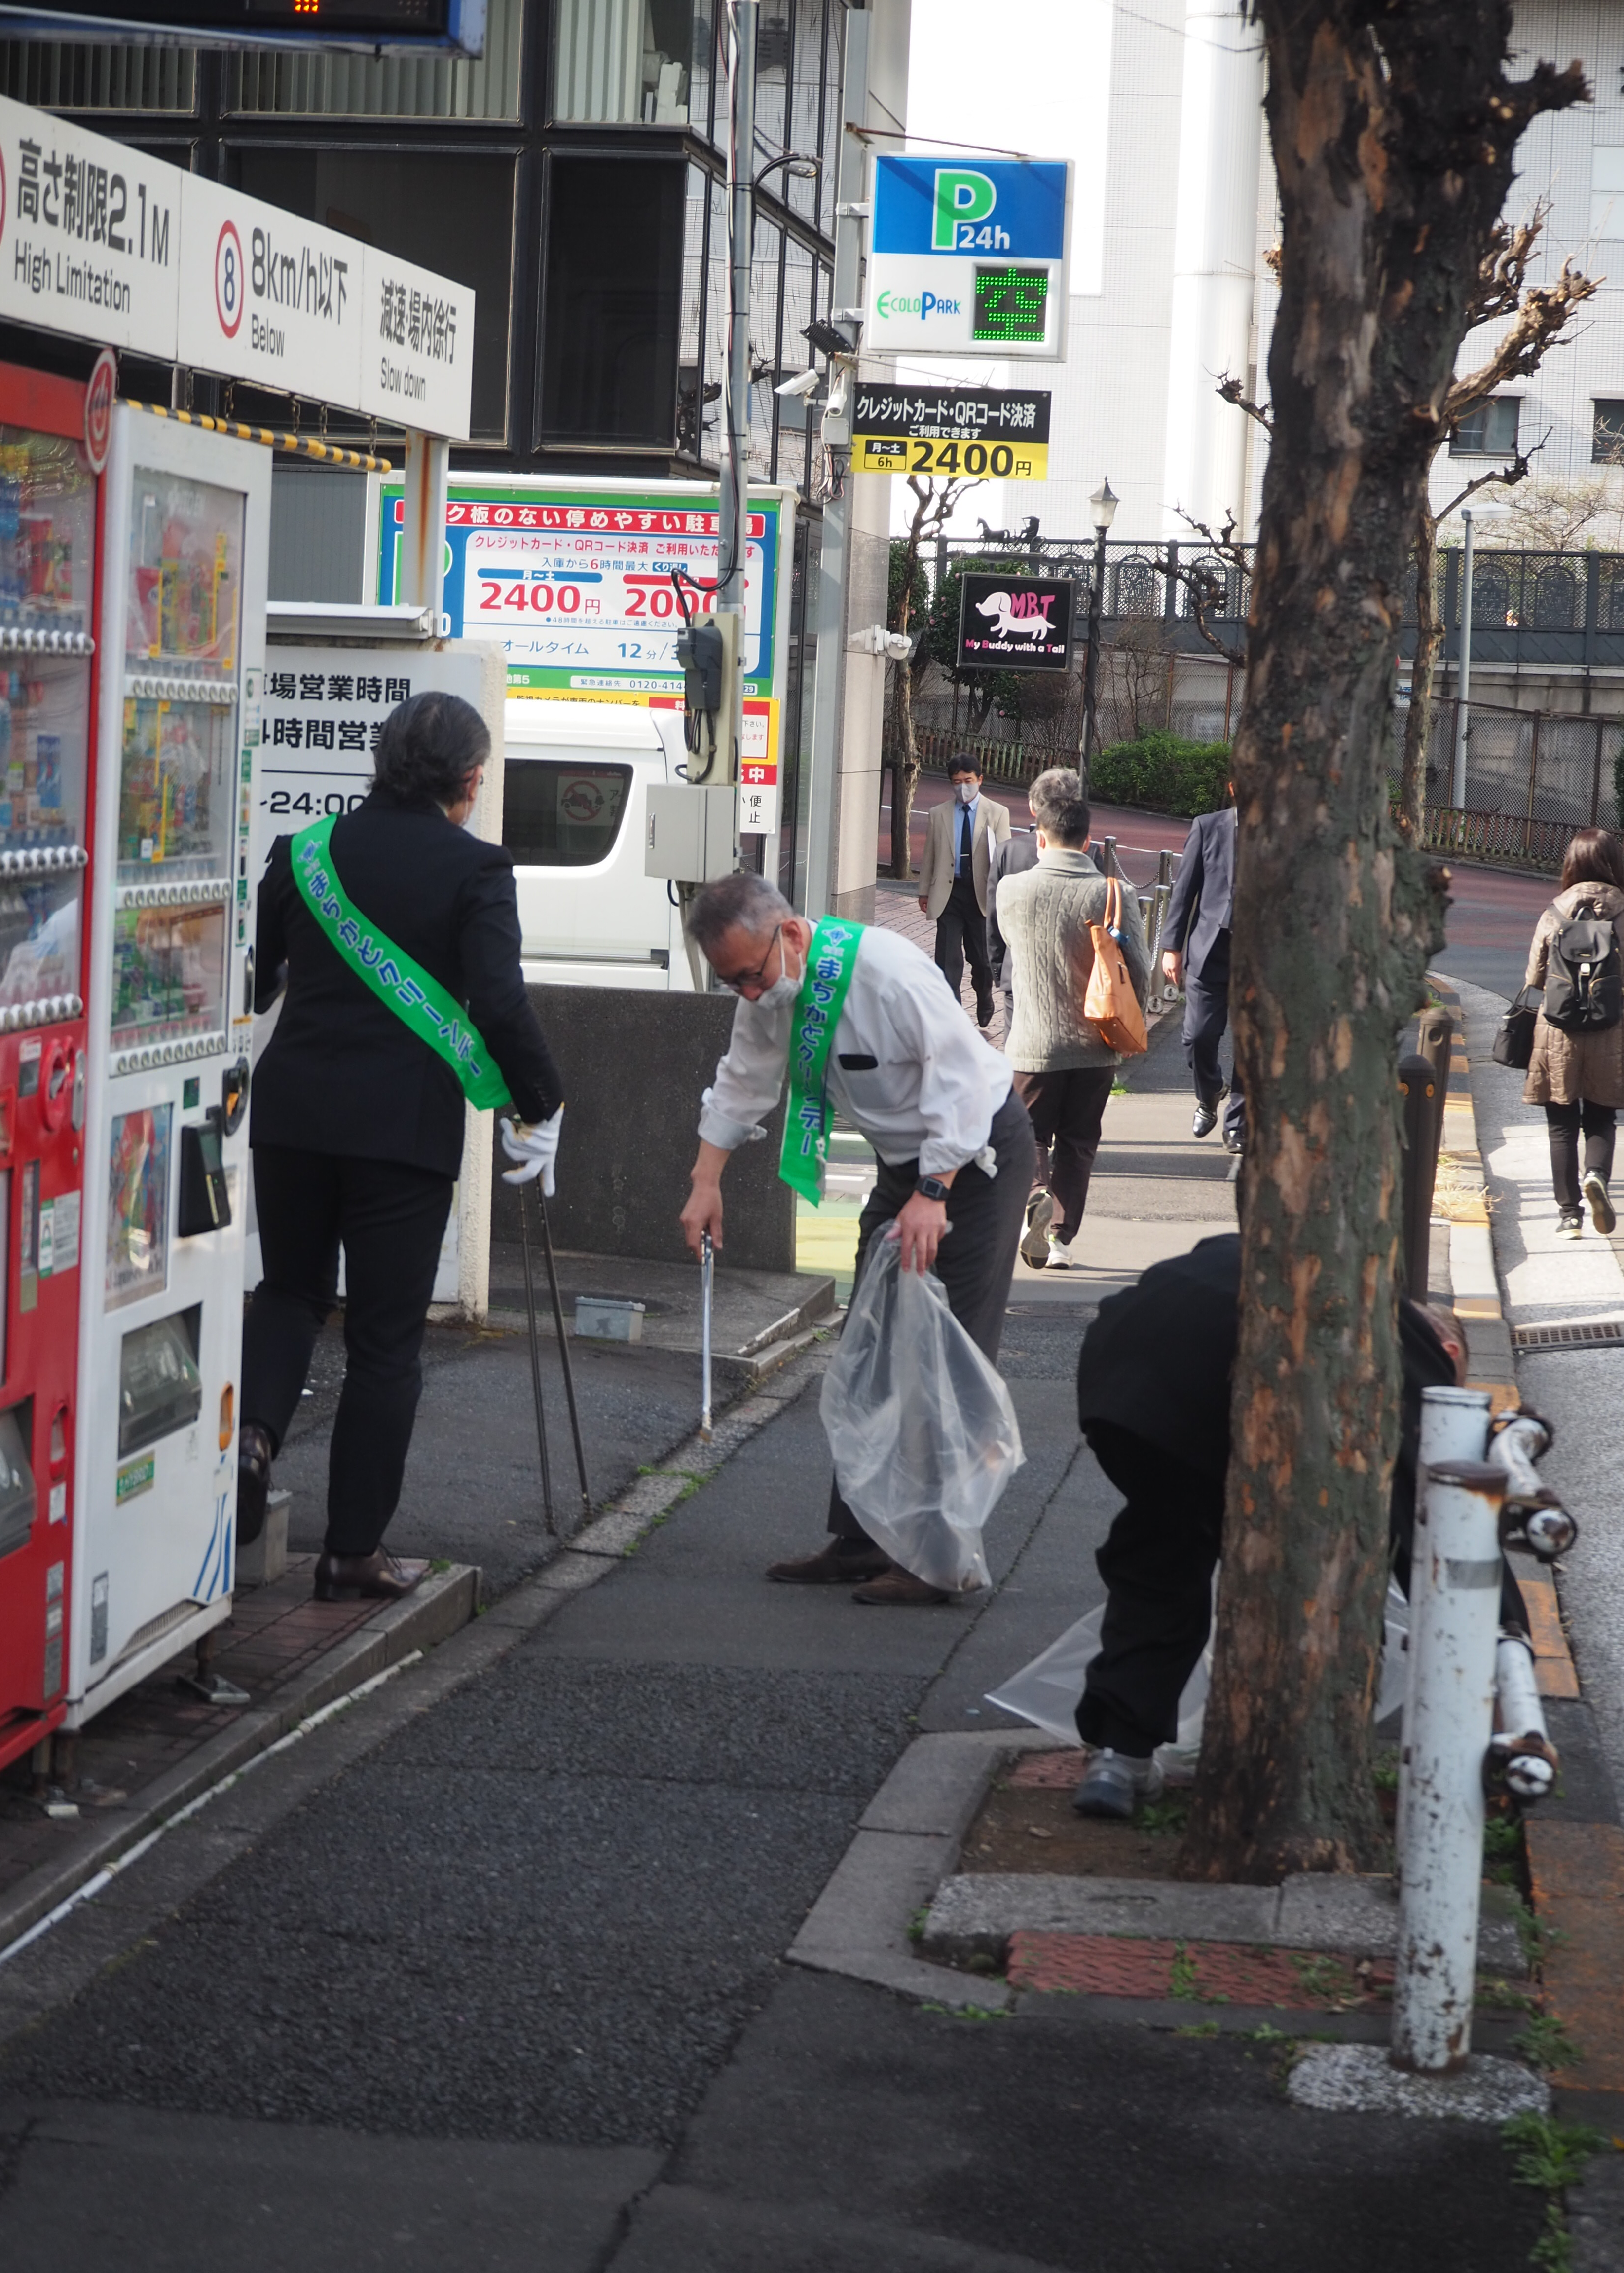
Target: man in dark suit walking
[{"x": 1198, "y": 917}]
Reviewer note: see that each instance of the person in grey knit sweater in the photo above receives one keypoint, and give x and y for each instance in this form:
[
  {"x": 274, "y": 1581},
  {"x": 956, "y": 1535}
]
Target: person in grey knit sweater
[{"x": 1062, "y": 1071}]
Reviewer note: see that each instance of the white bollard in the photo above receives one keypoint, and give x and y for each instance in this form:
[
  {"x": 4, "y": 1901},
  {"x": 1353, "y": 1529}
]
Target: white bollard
[
  {"x": 1452, "y": 1673},
  {"x": 1522, "y": 1755},
  {"x": 1454, "y": 1426}
]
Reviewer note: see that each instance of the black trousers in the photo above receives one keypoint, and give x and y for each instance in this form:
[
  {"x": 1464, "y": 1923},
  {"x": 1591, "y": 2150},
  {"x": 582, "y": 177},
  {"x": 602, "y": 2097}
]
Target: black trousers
[
  {"x": 1157, "y": 1564},
  {"x": 1206, "y": 1014},
  {"x": 1067, "y": 1110},
  {"x": 1565, "y": 1123},
  {"x": 390, "y": 1219},
  {"x": 976, "y": 1262},
  {"x": 961, "y": 932}
]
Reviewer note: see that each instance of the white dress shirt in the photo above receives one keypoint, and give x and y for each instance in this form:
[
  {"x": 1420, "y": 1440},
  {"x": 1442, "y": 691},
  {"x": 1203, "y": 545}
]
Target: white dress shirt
[{"x": 932, "y": 1092}]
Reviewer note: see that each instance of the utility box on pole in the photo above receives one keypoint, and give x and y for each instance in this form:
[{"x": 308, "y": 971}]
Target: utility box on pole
[{"x": 693, "y": 834}]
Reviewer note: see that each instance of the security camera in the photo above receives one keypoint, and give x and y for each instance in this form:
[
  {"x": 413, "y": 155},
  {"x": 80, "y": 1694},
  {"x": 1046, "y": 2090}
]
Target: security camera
[{"x": 804, "y": 382}]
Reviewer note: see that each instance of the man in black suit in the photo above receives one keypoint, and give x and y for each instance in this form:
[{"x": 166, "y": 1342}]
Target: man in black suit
[
  {"x": 358, "y": 1123},
  {"x": 1198, "y": 917}
]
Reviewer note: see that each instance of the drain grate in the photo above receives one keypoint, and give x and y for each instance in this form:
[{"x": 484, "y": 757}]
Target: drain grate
[{"x": 1604, "y": 1333}]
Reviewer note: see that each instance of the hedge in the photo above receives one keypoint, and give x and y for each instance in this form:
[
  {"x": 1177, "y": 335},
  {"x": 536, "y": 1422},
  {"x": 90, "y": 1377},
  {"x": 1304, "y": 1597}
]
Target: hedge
[{"x": 1162, "y": 773}]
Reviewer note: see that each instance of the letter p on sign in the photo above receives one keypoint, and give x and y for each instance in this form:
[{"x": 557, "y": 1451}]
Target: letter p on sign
[{"x": 962, "y": 195}]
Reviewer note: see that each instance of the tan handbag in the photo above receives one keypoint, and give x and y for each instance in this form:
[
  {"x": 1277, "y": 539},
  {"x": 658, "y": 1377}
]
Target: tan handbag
[{"x": 1110, "y": 1003}]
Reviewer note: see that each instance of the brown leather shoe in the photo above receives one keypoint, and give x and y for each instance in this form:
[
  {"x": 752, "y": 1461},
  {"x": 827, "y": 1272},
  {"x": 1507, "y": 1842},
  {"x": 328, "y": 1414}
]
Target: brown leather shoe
[
  {"x": 899, "y": 1589},
  {"x": 832, "y": 1568},
  {"x": 352, "y": 1577}
]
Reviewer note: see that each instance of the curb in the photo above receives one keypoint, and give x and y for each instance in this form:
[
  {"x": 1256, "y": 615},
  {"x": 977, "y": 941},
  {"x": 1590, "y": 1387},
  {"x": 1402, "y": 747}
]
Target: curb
[{"x": 442, "y": 1604}]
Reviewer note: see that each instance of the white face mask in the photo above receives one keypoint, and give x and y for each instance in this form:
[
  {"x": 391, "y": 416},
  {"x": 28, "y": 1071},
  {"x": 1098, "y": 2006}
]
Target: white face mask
[
  {"x": 784, "y": 988},
  {"x": 967, "y": 791}
]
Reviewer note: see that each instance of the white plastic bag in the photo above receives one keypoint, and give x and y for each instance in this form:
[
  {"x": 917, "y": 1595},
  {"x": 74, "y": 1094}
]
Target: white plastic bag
[
  {"x": 1046, "y": 1693},
  {"x": 922, "y": 1428}
]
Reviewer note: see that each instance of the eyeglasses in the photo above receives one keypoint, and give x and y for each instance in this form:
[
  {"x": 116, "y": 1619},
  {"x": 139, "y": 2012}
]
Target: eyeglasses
[{"x": 740, "y": 979}]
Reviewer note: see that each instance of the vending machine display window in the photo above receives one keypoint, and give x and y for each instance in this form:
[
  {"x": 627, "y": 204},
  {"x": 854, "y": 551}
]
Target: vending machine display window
[
  {"x": 160, "y": 1388},
  {"x": 44, "y": 731},
  {"x": 185, "y": 577},
  {"x": 176, "y": 808},
  {"x": 168, "y": 973},
  {"x": 137, "y": 1210},
  {"x": 47, "y": 533}
]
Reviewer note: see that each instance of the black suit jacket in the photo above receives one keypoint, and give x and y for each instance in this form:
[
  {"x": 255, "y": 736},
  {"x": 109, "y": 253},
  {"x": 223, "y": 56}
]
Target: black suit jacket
[
  {"x": 1018, "y": 853},
  {"x": 342, "y": 1073},
  {"x": 1202, "y": 908}
]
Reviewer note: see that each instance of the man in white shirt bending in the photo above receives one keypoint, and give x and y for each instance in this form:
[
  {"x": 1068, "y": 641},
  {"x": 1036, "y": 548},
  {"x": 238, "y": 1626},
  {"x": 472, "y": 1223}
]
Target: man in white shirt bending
[{"x": 903, "y": 1066}]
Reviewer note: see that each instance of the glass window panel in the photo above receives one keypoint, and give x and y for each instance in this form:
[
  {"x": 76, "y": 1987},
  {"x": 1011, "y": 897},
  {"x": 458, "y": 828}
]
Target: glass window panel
[
  {"x": 612, "y": 300},
  {"x": 160, "y": 1388},
  {"x": 138, "y": 1216},
  {"x": 44, "y": 736},
  {"x": 63, "y": 77},
  {"x": 772, "y": 53},
  {"x": 451, "y": 213},
  {"x": 708, "y": 98},
  {"x": 1489, "y": 430},
  {"x": 39, "y": 938},
  {"x": 1607, "y": 434},
  {"x": 47, "y": 507},
  {"x": 713, "y": 420},
  {"x": 185, "y": 575},
  {"x": 766, "y": 265},
  {"x": 292, "y": 84},
  {"x": 692, "y": 383},
  {"x": 622, "y": 62},
  {"x": 168, "y": 973},
  {"x": 562, "y": 812},
  {"x": 796, "y": 417}
]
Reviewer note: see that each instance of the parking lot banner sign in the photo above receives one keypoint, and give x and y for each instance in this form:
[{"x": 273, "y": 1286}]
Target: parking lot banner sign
[{"x": 969, "y": 257}]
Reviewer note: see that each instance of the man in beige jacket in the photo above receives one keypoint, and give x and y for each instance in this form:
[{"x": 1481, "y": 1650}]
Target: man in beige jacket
[
  {"x": 959, "y": 838},
  {"x": 1062, "y": 1071}
]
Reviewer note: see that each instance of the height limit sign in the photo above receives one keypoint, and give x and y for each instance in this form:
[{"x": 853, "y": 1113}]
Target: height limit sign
[{"x": 1001, "y": 433}]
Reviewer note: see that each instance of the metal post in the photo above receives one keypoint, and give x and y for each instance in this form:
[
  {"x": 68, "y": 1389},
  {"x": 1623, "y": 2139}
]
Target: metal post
[
  {"x": 733, "y": 521},
  {"x": 1454, "y": 1622},
  {"x": 1454, "y": 1426},
  {"x": 1463, "y": 690},
  {"x": 423, "y": 534},
  {"x": 1091, "y": 667},
  {"x": 1418, "y": 1087},
  {"x": 827, "y": 686}
]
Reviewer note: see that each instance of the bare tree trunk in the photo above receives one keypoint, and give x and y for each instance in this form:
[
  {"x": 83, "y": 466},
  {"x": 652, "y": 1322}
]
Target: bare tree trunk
[
  {"x": 1394, "y": 127},
  {"x": 1428, "y": 638},
  {"x": 904, "y": 770}
]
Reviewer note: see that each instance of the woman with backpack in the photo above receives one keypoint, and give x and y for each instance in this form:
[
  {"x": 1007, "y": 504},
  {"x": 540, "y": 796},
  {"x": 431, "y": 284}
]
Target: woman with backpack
[{"x": 1576, "y": 1071}]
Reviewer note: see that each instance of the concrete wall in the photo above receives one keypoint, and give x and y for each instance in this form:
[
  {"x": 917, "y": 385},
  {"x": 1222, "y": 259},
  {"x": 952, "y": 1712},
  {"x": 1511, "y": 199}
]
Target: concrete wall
[{"x": 633, "y": 1064}]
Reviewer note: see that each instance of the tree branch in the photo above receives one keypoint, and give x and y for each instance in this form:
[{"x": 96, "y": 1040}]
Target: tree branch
[
  {"x": 1203, "y": 586},
  {"x": 1231, "y": 391}
]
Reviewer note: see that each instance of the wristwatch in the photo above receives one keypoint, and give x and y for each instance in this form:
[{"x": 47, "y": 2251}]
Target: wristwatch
[{"x": 932, "y": 1188}]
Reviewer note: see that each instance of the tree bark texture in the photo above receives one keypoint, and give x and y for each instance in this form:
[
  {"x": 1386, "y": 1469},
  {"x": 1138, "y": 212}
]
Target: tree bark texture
[
  {"x": 1429, "y": 639},
  {"x": 1393, "y": 127}
]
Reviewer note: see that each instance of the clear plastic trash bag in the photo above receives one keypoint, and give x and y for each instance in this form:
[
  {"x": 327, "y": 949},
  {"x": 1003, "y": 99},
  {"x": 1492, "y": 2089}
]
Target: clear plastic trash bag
[
  {"x": 1046, "y": 1693},
  {"x": 922, "y": 1428}
]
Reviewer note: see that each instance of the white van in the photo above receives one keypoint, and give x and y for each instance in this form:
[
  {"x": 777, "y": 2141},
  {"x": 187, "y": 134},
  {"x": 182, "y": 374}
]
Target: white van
[{"x": 574, "y": 816}]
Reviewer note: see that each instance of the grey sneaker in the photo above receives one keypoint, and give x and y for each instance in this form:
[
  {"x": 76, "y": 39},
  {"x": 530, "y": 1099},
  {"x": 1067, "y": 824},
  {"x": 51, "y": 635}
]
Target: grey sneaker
[
  {"x": 1034, "y": 1239},
  {"x": 1114, "y": 1782},
  {"x": 1570, "y": 1224},
  {"x": 1595, "y": 1191}
]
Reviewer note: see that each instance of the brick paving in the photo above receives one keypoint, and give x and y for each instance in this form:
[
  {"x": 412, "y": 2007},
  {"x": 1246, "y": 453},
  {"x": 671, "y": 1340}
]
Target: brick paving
[
  {"x": 1204, "y": 1972},
  {"x": 271, "y": 1638},
  {"x": 1047, "y": 1771}
]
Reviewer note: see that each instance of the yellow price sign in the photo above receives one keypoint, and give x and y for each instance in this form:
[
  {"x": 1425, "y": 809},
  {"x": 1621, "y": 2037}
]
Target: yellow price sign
[{"x": 891, "y": 453}]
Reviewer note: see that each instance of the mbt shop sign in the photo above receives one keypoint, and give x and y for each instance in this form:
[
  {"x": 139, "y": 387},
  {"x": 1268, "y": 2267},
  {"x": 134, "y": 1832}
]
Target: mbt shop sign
[{"x": 1014, "y": 623}]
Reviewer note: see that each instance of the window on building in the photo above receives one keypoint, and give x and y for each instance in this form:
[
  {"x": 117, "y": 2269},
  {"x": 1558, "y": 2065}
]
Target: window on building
[
  {"x": 1607, "y": 434},
  {"x": 623, "y": 62},
  {"x": 1607, "y": 190},
  {"x": 1490, "y": 431},
  {"x": 296, "y": 83},
  {"x": 55, "y": 75},
  {"x": 612, "y": 300},
  {"x": 449, "y": 212}
]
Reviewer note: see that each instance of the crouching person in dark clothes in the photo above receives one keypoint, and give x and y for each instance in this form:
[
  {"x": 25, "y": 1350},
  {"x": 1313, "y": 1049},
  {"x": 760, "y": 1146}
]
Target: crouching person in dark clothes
[
  {"x": 370, "y": 922},
  {"x": 853, "y": 1015},
  {"x": 1155, "y": 1372}
]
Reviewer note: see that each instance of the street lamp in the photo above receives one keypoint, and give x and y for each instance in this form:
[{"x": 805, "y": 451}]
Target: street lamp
[{"x": 1104, "y": 503}]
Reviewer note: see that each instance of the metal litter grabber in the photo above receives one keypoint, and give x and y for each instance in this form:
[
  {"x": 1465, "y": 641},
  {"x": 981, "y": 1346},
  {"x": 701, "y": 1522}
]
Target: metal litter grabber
[
  {"x": 707, "y": 1278},
  {"x": 541, "y": 1417},
  {"x": 564, "y": 1358}
]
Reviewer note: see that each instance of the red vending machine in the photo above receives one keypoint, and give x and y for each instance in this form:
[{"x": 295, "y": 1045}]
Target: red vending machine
[{"x": 49, "y": 527}]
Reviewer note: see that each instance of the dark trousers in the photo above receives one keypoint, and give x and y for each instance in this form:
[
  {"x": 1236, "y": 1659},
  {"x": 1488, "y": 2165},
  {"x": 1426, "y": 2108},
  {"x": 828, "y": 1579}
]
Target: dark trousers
[
  {"x": 1206, "y": 1014},
  {"x": 1157, "y": 1564},
  {"x": 961, "y": 931},
  {"x": 1565, "y": 1123},
  {"x": 1067, "y": 1110},
  {"x": 390, "y": 1219},
  {"x": 976, "y": 1262}
]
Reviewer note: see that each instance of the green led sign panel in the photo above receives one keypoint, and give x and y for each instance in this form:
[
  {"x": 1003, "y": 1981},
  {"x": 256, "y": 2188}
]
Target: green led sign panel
[
  {"x": 1011, "y": 306},
  {"x": 454, "y": 26}
]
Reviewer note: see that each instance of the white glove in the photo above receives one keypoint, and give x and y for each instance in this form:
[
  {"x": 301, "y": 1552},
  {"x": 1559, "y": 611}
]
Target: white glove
[{"x": 535, "y": 1145}]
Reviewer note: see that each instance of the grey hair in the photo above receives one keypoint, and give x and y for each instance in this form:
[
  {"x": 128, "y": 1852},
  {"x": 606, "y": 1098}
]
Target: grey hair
[
  {"x": 744, "y": 902},
  {"x": 1059, "y": 802}
]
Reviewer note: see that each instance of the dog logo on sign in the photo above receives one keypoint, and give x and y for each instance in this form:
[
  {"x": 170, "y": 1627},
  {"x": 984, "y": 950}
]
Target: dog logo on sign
[{"x": 1025, "y": 617}]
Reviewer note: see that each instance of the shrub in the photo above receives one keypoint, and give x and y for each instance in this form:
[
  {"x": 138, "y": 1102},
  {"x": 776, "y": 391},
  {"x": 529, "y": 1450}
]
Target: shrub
[{"x": 1163, "y": 773}]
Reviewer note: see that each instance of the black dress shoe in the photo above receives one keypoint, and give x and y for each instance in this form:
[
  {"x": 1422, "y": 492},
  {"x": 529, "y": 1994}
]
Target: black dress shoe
[
  {"x": 1233, "y": 1144},
  {"x": 1205, "y": 1120},
  {"x": 253, "y": 1481},
  {"x": 353, "y": 1578}
]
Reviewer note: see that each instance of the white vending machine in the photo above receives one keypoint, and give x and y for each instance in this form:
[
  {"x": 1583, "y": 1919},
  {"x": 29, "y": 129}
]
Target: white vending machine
[{"x": 181, "y": 652}]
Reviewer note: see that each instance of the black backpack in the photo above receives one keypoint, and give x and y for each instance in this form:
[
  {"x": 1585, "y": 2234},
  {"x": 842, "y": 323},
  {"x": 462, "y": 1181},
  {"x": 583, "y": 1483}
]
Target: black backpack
[{"x": 1584, "y": 983}]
